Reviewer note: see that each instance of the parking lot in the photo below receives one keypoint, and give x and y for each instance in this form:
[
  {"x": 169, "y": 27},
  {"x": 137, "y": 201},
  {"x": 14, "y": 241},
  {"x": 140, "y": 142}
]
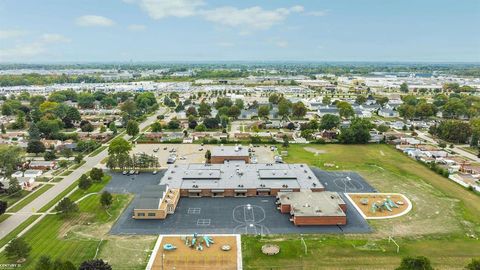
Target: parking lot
[{"x": 194, "y": 153}]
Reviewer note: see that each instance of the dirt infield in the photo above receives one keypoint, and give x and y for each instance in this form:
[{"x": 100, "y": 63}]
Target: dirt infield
[
  {"x": 400, "y": 200},
  {"x": 187, "y": 258}
]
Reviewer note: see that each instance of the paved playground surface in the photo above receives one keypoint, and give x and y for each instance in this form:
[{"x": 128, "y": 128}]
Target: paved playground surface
[{"x": 251, "y": 215}]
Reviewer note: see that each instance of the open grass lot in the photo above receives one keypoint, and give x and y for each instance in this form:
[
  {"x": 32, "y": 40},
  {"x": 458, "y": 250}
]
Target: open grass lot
[
  {"x": 443, "y": 218},
  {"x": 85, "y": 234},
  {"x": 76, "y": 238},
  {"x": 30, "y": 198},
  {"x": 17, "y": 230}
]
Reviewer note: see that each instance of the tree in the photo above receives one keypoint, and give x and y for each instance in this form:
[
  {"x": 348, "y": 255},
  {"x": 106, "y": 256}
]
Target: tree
[
  {"x": 35, "y": 146},
  {"x": 274, "y": 98},
  {"x": 234, "y": 112},
  {"x": 200, "y": 128},
  {"x": 191, "y": 111},
  {"x": 66, "y": 207},
  {"x": 473, "y": 265},
  {"x": 10, "y": 158},
  {"x": 113, "y": 127},
  {"x": 132, "y": 128},
  {"x": 299, "y": 109},
  {"x": 13, "y": 186},
  {"x": 211, "y": 123},
  {"x": 263, "y": 111},
  {"x": 404, "y": 87},
  {"x": 223, "y": 102},
  {"x": 345, "y": 109},
  {"x": 33, "y": 132},
  {"x": 453, "y": 131},
  {"x": 284, "y": 107},
  {"x": 173, "y": 124},
  {"x": 361, "y": 99},
  {"x": 329, "y": 121},
  {"x": 96, "y": 264},
  {"x": 208, "y": 156},
  {"x": 382, "y": 100},
  {"x": 357, "y": 133},
  {"x": 106, "y": 199},
  {"x": 204, "y": 109},
  {"x": 415, "y": 263},
  {"x": 18, "y": 248},
  {"x": 2, "y": 127},
  {"x": 3, "y": 207},
  {"x": 326, "y": 100},
  {"x": 239, "y": 103},
  {"x": 44, "y": 263},
  {"x": 49, "y": 155},
  {"x": 96, "y": 174},
  {"x": 285, "y": 141},
  {"x": 119, "y": 146},
  {"x": 86, "y": 126},
  {"x": 84, "y": 182}
]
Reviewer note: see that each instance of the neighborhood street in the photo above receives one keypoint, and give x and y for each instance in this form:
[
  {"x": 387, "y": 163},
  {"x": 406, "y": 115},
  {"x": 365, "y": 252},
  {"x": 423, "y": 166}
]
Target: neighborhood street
[{"x": 23, "y": 214}]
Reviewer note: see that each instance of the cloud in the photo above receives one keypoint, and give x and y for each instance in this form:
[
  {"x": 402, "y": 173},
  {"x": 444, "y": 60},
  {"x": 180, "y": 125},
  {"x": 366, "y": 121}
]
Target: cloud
[
  {"x": 281, "y": 44},
  {"x": 54, "y": 38},
  {"x": 136, "y": 27},
  {"x": 225, "y": 44},
  {"x": 159, "y": 9},
  {"x": 32, "y": 49},
  {"x": 318, "y": 13},
  {"x": 94, "y": 20},
  {"x": 253, "y": 18},
  {"x": 246, "y": 19},
  {"x": 4, "y": 34}
]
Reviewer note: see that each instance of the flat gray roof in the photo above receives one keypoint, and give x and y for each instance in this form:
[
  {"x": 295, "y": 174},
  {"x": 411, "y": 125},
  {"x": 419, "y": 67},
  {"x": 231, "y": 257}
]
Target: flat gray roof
[
  {"x": 229, "y": 151},
  {"x": 308, "y": 203},
  {"x": 244, "y": 176},
  {"x": 151, "y": 197}
]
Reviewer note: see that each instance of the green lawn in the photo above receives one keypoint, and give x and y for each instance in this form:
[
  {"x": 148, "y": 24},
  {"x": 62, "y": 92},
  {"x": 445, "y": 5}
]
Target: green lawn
[
  {"x": 17, "y": 230},
  {"x": 3, "y": 217},
  {"x": 30, "y": 198},
  {"x": 66, "y": 173},
  {"x": 75, "y": 238},
  {"x": 13, "y": 198},
  {"x": 443, "y": 217},
  {"x": 96, "y": 187},
  {"x": 58, "y": 197}
]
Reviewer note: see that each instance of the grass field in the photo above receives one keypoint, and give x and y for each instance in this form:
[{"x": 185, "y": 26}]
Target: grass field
[
  {"x": 76, "y": 238},
  {"x": 86, "y": 233},
  {"x": 443, "y": 218},
  {"x": 17, "y": 230},
  {"x": 3, "y": 217},
  {"x": 30, "y": 198},
  {"x": 58, "y": 197}
]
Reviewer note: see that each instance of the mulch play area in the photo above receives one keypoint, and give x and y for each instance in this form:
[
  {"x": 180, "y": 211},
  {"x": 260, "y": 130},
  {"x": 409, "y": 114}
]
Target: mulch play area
[{"x": 380, "y": 205}]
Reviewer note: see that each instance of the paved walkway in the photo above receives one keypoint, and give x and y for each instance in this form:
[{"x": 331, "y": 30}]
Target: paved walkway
[{"x": 23, "y": 214}]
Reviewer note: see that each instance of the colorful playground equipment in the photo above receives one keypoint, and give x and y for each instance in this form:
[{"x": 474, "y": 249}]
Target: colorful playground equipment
[
  {"x": 387, "y": 204},
  {"x": 197, "y": 242},
  {"x": 169, "y": 247}
]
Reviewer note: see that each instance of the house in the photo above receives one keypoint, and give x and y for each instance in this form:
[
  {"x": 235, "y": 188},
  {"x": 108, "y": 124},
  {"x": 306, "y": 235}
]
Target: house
[
  {"x": 388, "y": 113},
  {"x": 328, "y": 110},
  {"x": 42, "y": 165}
]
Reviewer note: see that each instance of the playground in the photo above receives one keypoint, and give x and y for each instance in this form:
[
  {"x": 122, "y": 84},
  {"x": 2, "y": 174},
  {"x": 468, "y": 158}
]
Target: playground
[
  {"x": 196, "y": 251},
  {"x": 380, "y": 205}
]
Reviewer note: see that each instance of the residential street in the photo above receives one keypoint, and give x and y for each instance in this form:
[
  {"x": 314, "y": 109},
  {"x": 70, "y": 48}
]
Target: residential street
[
  {"x": 456, "y": 148},
  {"x": 23, "y": 214}
]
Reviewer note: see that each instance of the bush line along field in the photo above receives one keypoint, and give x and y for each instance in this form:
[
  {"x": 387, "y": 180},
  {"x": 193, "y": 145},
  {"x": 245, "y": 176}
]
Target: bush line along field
[{"x": 440, "y": 226}]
